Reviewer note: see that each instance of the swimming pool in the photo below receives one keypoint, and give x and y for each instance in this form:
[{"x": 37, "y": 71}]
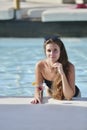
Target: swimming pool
[{"x": 18, "y": 57}]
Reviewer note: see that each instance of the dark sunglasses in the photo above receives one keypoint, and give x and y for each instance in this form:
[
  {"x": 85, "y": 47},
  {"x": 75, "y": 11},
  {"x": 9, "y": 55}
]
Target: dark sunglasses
[{"x": 54, "y": 38}]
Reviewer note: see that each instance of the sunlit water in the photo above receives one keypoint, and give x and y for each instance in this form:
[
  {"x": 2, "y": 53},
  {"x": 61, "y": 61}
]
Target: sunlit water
[{"x": 19, "y": 56}]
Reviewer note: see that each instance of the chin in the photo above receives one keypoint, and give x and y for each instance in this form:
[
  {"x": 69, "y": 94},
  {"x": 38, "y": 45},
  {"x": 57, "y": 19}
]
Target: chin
[{"x": 53, "y": 60}]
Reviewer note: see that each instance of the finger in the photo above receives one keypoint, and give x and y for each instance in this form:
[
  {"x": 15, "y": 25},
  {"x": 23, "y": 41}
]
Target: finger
[
  {"x": 39, "y": 101},
  {"x": 56, "y": 64},
  {"x": 36, "y": 101},
  {"x": 32, "y": 102}
]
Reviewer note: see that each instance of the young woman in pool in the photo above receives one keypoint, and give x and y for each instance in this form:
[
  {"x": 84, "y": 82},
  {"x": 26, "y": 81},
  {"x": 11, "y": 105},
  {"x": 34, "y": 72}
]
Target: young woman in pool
[{"x": 56, "y": 71}]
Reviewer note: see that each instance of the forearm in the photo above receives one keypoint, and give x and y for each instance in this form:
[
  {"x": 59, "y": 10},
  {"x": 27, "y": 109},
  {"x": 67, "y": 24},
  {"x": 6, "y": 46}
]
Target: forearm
[
  {"x": 38, "y": 93},
  {"x": 67, "y": 90}
]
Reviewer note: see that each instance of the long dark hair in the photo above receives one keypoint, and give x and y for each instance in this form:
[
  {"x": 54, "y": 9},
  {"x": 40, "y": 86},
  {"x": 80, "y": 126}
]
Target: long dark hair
[{"x": 56, "y": 90}]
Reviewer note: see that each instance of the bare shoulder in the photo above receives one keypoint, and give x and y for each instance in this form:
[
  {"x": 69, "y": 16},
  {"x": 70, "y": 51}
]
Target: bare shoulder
[
  {"x": 40, "y": 63},
  {"x": 71, "y": 66}
]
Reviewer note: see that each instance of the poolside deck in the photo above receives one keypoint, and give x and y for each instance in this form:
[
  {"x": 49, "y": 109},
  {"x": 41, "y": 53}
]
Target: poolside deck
[
  {"x": 18, "y": 113},
  {"x": 37, "y": 19}
]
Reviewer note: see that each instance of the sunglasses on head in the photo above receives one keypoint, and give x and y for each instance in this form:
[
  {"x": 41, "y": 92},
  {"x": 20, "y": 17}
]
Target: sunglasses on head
[{"x": 54, "y": 38}]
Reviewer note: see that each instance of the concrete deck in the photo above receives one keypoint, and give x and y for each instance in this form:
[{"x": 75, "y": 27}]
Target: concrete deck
[
  {"x": 18, "y": 113},
  {"x": 64, "y": 15},
  {"x": 27, "y": 100},
  {"x": 55, "y": 9},
  {"x": 64, "y": 19}
]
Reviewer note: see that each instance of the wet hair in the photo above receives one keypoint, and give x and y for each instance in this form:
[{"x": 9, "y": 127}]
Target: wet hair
[{"x": 56, "y": 90}]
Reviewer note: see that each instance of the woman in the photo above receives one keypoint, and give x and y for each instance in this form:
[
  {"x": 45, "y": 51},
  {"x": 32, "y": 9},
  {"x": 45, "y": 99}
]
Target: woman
[{"x": 56, "y": 71}]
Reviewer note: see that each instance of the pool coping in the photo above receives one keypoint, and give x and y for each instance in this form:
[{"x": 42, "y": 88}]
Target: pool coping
[{"x": 46, "y": 100}]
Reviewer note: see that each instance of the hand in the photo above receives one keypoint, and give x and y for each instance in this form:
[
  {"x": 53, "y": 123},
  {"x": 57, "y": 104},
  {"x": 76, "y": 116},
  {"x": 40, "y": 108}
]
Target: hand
[
  {"x": 36, "y": 101},
  {"x": 59, "y": 67}
]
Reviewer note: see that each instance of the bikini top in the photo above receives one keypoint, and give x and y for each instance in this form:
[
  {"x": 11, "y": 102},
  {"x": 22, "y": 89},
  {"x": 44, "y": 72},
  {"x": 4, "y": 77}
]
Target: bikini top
[{"x": 49, "y": 84}]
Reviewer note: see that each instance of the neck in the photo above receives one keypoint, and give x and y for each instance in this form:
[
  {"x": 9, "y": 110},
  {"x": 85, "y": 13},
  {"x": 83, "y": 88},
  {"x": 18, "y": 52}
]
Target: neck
[{"x": 50, "y": 63}]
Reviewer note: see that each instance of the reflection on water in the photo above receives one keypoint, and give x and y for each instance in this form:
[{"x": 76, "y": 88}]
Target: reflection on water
[{"x": 19, "y": 56}]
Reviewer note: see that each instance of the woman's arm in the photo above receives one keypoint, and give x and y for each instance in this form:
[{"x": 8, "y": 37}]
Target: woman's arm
[
  {"x": 38, "y": 86},
  {"x": 68, "y": 82}
]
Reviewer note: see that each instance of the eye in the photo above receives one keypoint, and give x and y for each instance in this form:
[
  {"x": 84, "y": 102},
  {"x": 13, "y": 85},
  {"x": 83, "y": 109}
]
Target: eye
[
  {"x": 55, "y": 50},
  {"x": 49, "y": 50}
]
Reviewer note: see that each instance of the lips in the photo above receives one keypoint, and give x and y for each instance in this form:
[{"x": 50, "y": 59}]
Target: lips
[{"x": 52, "y": 57}]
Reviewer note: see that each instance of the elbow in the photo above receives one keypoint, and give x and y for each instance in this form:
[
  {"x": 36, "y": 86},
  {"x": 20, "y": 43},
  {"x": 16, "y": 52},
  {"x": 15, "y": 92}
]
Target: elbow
[{"x": 69, "y": 97}]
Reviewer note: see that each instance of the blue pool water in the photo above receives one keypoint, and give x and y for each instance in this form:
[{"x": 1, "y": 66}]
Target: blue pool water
[{"x": 18, "y": 57}]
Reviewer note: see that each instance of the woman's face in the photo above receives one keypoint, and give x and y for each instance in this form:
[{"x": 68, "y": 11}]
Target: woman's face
[{"x": 52, "y": 52}]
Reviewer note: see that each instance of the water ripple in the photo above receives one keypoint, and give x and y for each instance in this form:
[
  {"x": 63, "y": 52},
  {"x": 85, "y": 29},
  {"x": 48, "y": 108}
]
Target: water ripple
[{"x": 19, "y": 56}]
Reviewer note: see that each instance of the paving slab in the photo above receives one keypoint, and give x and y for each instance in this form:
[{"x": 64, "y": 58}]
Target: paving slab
[
  {"x": 6, "y": 14},
  {"x": 31, "y": 16},
  {"x": 65, "y": 14},
  {"x": 60, "y": 115}
]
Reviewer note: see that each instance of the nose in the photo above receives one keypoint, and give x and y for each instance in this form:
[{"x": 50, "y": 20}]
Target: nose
[{"x": 52, "y": 53}]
